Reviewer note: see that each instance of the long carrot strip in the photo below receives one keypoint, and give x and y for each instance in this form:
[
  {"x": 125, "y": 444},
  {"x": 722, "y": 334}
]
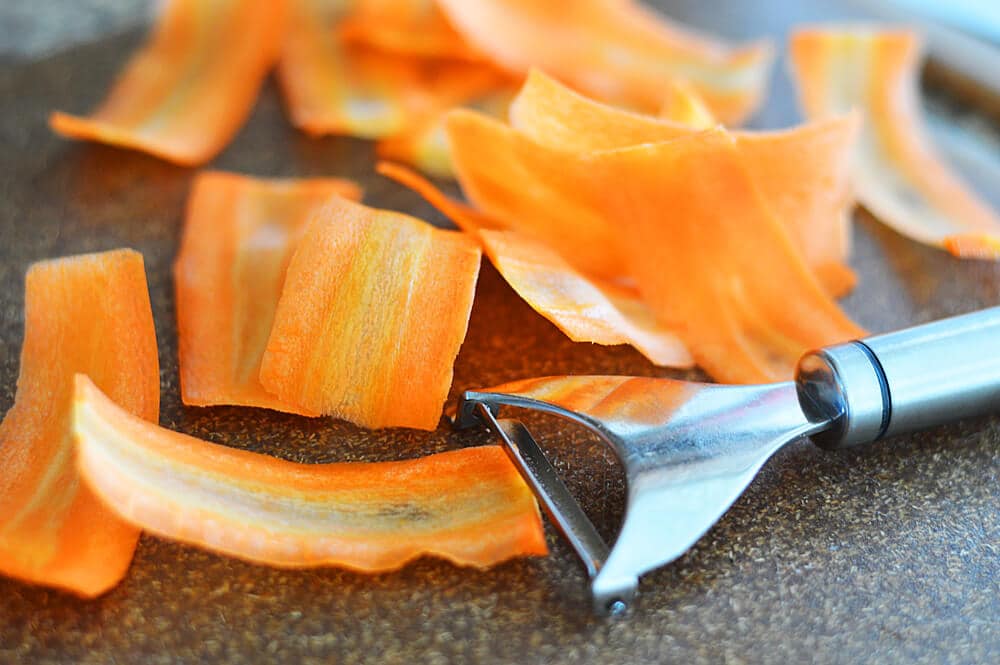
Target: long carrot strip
[
  {"x": 189, "y": 90},
  {"x": 897, "y": 173},
  {"x": 373, "y": 311},
  {"x": 404, "y": 27},
  {"x": 614, "y": 50},
  {"x": 238, "y": 239},
  {"x": 803, "y": 172},
  {"x": 585, "y": 309},
  {"x": 88, "y": 314},
  {"x": 468, "y": 506}
]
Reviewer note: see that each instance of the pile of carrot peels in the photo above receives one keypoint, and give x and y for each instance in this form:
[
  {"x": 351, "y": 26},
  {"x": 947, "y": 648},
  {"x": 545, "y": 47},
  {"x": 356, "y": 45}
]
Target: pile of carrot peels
[
  {"x": 392, "y": 69},
  {"x": 83, "y": 470},
  {"x": 594, "y": 144},
  {"x": 583, "y": 203}
]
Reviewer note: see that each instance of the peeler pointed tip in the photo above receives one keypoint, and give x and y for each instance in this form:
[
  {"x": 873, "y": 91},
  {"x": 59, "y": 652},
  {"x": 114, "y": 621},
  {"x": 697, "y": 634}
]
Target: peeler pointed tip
[{"x": 616, "y": 608}]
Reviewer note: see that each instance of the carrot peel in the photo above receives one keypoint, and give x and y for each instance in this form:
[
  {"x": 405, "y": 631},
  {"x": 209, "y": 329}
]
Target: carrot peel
[
  {"x": 238, "y": 239},
  {"x": 373, "y": 311},
  {"x": 754, "y": 307},
  {"x": 803, "y": 172},
  {"x": 585, "y": 309},
  {"x": 88, "y": 314},
  {"x": 468, "y": 506},
  {"x": 897, "y": 173},
  {"x": 188, "y": 91},
  {"x": 679, "y": 214}
]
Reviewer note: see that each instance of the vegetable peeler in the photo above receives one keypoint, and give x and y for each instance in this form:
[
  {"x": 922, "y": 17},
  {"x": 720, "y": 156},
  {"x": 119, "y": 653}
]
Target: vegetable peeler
[{"x": 690, "y": 449}]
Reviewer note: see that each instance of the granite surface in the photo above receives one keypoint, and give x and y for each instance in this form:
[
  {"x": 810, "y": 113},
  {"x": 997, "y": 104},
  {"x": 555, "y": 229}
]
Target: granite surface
[{"x": 887, "y": 554}]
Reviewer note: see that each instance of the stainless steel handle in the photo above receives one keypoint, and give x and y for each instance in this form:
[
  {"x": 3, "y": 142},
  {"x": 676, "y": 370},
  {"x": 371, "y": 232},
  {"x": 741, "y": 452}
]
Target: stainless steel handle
[{"x": 903, "y": 381}]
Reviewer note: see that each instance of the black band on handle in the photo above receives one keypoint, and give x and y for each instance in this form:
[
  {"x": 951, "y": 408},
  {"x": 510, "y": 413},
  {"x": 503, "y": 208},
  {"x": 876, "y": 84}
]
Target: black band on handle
[{"x": 883, "y": 384}]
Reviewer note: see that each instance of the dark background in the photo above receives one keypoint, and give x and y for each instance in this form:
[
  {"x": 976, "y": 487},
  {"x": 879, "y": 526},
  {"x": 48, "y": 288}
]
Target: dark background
[{"x": 884, "y": 554}]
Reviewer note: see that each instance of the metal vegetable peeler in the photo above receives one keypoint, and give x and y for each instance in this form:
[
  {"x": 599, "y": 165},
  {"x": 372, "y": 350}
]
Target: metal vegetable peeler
[{"x": 690, "y": 449}]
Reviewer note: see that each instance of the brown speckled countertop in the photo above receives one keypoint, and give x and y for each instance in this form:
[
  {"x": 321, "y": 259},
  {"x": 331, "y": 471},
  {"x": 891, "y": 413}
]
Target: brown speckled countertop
[{"x": 887, "y": 554}]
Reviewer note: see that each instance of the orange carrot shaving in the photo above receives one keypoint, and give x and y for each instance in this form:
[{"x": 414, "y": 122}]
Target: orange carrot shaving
[
  {"x": 614, "y": 50},
  {"x": 468, "y": 506},
  {"x": 404, "y": 27},
  {"x": 585, "y": 309},
  {"x": 710, "y": 258},
  {"x": 897, "y": 173},
  {"x": 189, "y": 90},
  {"x": 551, "y": 113},
  {"x": 803, "y": 173},
  {"x": 238, "y": 239},
  {"x": 87, "y": 314},
  {"x": 373, "y": 311}
]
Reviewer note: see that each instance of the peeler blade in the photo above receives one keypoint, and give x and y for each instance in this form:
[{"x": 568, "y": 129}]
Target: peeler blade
[{"x": 561, "y": 507}]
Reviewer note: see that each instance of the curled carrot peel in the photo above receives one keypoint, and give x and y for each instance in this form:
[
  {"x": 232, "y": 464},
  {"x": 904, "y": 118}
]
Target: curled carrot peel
[
  {"x": 404, "y": 27},
  {"x": 683, "y": 219},
  {"x": 238, "y": 239},
  {"x": 374, "y": 308},
  {"x": 585, "y": 309},
  {"x": 189, "y": 90},
  {"x": 614, "y": 50},
  {"x": 719, "y": 269},
  {"x": 803, "y": 172},
  {"x": 89, "y": 314},
  {"x": 469, "y": 506},
  {"x": 897, "y": 173}
]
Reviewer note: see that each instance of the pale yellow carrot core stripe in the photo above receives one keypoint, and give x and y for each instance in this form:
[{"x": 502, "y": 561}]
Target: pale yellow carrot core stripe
[{"x": 373, "y": 311}]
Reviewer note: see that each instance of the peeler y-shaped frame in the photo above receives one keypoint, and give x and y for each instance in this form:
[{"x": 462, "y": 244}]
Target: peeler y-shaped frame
[{"x": 690, "y": 449}]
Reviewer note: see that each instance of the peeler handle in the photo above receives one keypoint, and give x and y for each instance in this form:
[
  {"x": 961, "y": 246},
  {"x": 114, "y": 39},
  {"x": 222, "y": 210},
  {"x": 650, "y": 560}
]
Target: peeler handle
[{"x": 903, "y": 381}]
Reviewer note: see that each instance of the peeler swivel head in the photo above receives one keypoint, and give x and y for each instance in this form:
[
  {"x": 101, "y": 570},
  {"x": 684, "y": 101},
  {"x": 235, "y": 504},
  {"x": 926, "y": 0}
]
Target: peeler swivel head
[{"x": 688, "y": 451}]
